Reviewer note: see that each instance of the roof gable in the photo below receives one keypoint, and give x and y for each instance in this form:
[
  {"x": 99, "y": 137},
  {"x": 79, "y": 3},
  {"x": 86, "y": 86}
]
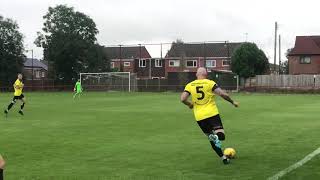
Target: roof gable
[
  {"x": 34, "y": 63},
  {"x": 202, "y": 50},
  {"x": 306, "y": 45},
  {"x": 132, "y": 52}
]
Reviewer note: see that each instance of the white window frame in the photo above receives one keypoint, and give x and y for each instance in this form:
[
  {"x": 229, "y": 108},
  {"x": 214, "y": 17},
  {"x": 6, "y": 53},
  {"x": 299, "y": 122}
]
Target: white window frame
[
  {"x": 126, "y": 64},
  {"x": 215, "y": 63},
  {"x": 43, "y": 74},
  {"x": 155, "y": 77},
  {"x": 141, "y": 62},
  {"x": 226, "y": 65},
  {"x": 195, "y": 63},
  {"x": 176, "y": 63},
  {"x": 112, "y": 64},
  {"x": 303, "y": 59},
  {"x": 158, "y": 63},
  {"x": 37, "y": 74}
]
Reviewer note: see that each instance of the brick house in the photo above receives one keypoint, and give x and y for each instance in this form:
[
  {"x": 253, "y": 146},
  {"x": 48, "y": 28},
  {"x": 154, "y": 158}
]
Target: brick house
[
  {"x": 304, "y": 58},
  {"x": 188, "y": 57},
  {"x": 40, "y": 69},
  {"x": 135, "y": 59}
]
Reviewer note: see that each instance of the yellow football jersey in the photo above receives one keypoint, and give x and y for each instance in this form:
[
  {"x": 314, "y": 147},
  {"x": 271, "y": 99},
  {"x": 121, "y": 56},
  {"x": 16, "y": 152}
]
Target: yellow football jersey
[
  {"x": 204, "y": 105},
  {"x": 18, "y": 86}
]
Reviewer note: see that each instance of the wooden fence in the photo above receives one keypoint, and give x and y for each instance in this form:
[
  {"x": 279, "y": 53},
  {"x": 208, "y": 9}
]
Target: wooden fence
[{"x": 287, "y": 81}]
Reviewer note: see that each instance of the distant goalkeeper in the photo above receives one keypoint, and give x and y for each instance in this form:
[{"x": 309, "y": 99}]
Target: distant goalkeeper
[{"x": 77, "y": 89}]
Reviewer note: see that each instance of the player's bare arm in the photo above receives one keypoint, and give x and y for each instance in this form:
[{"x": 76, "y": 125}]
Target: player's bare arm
[
  {"x": 225, "y": 96},
  {"x": 2, "y": 162},
  {"x": 16, "y": 86},
  {"x": 184, "y": 99}
]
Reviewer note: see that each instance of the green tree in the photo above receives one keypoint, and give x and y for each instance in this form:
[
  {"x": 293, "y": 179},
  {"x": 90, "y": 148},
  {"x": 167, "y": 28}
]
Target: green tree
[
  {"x": 98, "y": 60},
  {"x": 69, "y": 42},
  {"x": 11, "y": 51},
  {"x": 179, "y": 51},
  {"x": 284, "y": 67},
  {"x": 248, "y": 60}
]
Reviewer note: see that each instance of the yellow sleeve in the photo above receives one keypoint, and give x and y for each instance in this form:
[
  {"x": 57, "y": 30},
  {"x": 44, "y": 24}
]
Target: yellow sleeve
[
  {"x": 15, "y": 83},
  {"x": 188, "y": 88}
]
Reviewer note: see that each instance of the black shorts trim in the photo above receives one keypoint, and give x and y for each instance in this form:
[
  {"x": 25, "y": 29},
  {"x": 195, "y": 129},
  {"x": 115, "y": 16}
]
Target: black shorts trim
[
  {"x": 210, "y": 124},
  {"x": 18, "y": 97}
]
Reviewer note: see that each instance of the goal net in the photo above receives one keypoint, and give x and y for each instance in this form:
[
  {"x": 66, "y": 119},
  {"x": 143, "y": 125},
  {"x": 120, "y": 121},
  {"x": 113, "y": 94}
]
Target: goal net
[{"x": 108, "y": 81}]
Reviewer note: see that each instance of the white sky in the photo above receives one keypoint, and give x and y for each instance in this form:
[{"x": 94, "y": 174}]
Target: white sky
[{"x": 155, "y": 21}]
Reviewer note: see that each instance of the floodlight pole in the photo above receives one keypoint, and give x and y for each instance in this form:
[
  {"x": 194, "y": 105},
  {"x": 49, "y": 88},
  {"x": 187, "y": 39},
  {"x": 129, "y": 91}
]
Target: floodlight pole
[
  {"x": 121, "y": 68},
  {"x": 275, "y": 46},
  {"x": 279, "y": 54},
  {"x": 31, "y": 67},
  {"x": 129, "y": 82},
  {"x": 237, "y": 83}
]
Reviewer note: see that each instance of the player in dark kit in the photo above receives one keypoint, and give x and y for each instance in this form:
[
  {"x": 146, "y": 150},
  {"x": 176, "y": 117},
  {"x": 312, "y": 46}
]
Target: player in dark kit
[
  {"x": 206, "y": 113},
  {"x": 18, "y": 87}
]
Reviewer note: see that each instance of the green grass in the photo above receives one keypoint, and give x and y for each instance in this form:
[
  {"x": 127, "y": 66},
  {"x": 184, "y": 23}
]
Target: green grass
[{"x": 146, "y": 136}]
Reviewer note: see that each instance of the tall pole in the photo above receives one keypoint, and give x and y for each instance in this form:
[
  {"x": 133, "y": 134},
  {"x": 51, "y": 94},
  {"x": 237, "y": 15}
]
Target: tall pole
[
  {"x": 161, "y": 50},
  {"x": 32, "y": 69},
  {"x": 204, "y": 54},
  {"x": 279, "y": 53},
  {"x": 120, "y": 47},
  {"x": 275, "y": 46},
  {"x": 228, "y": 46}
]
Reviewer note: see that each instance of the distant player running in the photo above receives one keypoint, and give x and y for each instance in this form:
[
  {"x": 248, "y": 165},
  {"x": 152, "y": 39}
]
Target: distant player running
[
  {"x": 2, "y": 163},
  {"x": 77, "y": 89},
  {"x": 205, "y": 110},
  {"x": 18, "y": 87}
]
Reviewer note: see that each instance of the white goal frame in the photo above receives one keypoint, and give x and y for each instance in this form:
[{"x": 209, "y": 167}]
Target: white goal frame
[{"x": 102, "y": 73}]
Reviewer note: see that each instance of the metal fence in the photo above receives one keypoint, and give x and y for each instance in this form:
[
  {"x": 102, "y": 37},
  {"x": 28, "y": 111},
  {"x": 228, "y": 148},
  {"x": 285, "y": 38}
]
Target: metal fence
[{"x": 174, "y": 83}]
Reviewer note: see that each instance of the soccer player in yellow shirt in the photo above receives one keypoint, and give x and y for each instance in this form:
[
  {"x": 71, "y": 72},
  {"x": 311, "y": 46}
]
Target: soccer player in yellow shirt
[
  {"x": 18, "y": 87},
  {"x": 205, "y": 110}
]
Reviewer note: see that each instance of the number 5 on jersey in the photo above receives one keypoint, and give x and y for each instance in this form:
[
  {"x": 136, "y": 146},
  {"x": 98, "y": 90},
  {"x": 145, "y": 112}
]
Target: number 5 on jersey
[{"x": 199, "y": 91}]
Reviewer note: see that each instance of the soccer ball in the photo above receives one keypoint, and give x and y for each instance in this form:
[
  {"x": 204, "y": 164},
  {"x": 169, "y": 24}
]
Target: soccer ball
[{"x": 230, "y": 153}]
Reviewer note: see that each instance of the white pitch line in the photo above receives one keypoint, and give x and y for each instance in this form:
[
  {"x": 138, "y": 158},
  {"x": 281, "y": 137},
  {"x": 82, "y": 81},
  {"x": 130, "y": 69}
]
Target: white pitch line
[{"x": 296, "y": 165}]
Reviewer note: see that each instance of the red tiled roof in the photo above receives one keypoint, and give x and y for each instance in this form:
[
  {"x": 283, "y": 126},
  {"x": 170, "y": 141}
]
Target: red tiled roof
[
  {"x": 203, "y": 50},
  {"x": 306, "y": 45},
  {"x": 131, "y": 52}
]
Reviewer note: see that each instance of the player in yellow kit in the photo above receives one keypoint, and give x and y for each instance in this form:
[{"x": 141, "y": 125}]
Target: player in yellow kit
[
  {"x": 205, "y": 110},
  {"x": 18, "y": 87}
]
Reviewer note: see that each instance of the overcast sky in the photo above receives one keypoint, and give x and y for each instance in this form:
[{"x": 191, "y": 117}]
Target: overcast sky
[{"x": 155, "y": 21}]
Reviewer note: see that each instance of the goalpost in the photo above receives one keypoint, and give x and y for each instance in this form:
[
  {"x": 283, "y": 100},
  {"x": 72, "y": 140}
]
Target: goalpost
[{"x": 108, "y": 81}]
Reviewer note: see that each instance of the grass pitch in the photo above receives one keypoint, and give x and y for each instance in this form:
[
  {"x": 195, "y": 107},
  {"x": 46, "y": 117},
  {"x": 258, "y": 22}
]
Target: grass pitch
[{"x": 146, "y": 136}]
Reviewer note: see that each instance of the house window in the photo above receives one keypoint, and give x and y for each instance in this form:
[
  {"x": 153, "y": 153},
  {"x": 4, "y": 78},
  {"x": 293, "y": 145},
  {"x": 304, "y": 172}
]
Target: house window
[
  {"x": 158, "y": 63},
  {"x": 174, "y": 63},
  {"x": 226, "y": 63},
  {"x": 142, "y": 63},
  {"x": 191, "y": 63},
  {"x": 126, "y": 64},
  {"x": 112, "y": 64},
  {"x": 43, "y": 74},
  {"x": 210, "y": 63},
  {"x": 305, "y": 60},
  {"x": 37, "y": 74}
]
